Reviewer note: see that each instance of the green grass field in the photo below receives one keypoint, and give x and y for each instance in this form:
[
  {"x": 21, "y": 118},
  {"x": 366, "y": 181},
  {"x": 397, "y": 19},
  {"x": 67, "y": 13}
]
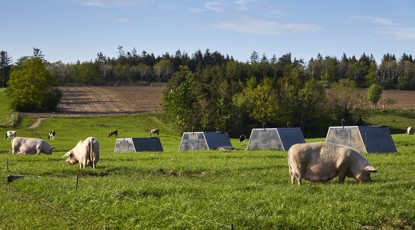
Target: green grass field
[
  {"x": 192, "y": 190},
  {"x": 7, "y": 117}
]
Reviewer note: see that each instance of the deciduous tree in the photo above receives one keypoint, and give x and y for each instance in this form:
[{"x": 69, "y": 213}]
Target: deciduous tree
[
  {"x": 374, "y": 93},
  {"x": 30, "y": 87}
]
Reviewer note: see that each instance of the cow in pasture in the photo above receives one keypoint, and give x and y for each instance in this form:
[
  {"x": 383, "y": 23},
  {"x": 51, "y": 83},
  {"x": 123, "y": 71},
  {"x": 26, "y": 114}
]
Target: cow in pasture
[
  {"x": 154, "y": 132},
  {"x": 242, "y": 138},
  {"x": 10, "y": 135},
  {"x": 51, "y": 135},
  {"x": 322, "y": 161},
  {"x": 113, "y": 133},
  {"x": 410, "y": 130},
  {"x": 86, "y": 152},
  {"x": 25, "y": 145}
]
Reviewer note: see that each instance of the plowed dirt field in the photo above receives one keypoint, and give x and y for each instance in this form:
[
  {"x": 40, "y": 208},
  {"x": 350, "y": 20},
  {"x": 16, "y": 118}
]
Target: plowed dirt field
[
  {"x": 102, "y": 101},
  {"x": 404, "y": 99},
  {"x": 110, "y": 100}
]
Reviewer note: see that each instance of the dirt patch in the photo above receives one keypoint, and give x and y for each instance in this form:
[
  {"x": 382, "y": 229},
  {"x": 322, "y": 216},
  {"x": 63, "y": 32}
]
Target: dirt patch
[{"x": 37, "y": 123}]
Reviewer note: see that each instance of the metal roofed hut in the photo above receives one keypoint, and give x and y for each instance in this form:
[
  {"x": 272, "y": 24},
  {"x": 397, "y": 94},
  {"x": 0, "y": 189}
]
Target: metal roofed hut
[
  {"x": 274, "y": 138},
  {"x": 367, "y": 139},
  {"x": 205, "y": 141},
  {"x": 151, "y": 144}
]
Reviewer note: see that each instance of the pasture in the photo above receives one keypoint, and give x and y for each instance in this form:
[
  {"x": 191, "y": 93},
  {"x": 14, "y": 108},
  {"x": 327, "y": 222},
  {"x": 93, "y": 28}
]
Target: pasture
[{"x": 191, "y": 190}]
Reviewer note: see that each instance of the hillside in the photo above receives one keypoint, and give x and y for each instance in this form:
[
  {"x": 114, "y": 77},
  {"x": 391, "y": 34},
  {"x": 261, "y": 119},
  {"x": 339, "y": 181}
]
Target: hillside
[{"x": 118, "y": 100}]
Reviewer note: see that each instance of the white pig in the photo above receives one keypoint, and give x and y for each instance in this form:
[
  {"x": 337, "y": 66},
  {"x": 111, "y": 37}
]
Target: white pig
[
  {"x": 27, "y": 145},
  {"x": 322, "y": 161},
  {"x": 86, "y": 152}
]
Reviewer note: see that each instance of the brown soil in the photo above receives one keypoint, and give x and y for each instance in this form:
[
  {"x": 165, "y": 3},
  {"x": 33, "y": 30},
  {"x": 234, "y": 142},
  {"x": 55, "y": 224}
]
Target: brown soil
[
  {"x": 110, "y": 100},
  {"x": 102, "y": 101},
  {"x": 402, "y": 99}
]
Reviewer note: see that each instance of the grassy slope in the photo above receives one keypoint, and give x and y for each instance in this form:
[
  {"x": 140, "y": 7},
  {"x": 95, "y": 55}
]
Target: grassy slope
[
  {"x": 192, "y": 190},
  {"x": 397, "y": 120},
  {"x": 5, "y": 113}
]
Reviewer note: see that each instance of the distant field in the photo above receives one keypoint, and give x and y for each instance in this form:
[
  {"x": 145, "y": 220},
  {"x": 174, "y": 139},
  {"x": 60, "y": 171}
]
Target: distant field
[
  {"x": 404, "y": 99},
  {"x": 116, "y": 100},
  {"x": 111, "y": 100},
  {"x": 89, "y": 101},
  {"x": 190, "y": 190}
]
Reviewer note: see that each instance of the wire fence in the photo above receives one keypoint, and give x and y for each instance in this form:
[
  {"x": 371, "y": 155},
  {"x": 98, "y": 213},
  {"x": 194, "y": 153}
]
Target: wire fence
[{"x": 15, "y": 176}]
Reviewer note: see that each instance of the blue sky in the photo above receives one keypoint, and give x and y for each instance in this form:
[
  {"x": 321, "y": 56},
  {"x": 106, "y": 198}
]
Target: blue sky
[{"x": 71, "y": 30}]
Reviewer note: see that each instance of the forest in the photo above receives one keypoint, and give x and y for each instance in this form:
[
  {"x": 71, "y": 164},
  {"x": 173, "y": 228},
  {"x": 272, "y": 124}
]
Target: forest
[
  {"x": 130, "y": 68},
  {"x": 211, "y": 91}
]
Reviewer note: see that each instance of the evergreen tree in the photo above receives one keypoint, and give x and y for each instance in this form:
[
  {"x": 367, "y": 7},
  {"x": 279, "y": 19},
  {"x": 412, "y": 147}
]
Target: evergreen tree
[{"x": 5, "y": 66}]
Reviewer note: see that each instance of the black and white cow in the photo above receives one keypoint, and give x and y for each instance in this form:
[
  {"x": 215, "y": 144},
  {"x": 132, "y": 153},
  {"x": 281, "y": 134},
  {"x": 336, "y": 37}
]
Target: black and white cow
[
  {"x": 154, "y": 132},
  {"x": 242, "y": 138},
  {"x": 11, "y": 134},
  {"x": 113, "y": 133},
  {"x": 51, "y": 135}
]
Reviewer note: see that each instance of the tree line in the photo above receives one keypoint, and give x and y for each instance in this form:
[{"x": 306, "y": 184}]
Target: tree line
[
  {"x": 130, "y": 68},
  {"x": 211, "y": 91}
]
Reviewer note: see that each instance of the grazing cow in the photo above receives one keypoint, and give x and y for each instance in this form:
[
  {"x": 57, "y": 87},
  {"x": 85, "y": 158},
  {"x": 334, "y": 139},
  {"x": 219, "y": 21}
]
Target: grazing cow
[
  {"x": 322, "y": 161},
  {"x": 242, "y": 138},
  {"x": 113, "y": 133},
  {"x": 154, "y": 132},
  {"x": 86, "y": 152},
  {"x": 10, "y": 134},
  {"x": 51, "y": 135},
  {"x": 409, "y": 131},
  {"x": 24, "y": 145}
]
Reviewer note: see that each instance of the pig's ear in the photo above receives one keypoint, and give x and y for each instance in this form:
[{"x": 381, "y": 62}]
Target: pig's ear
[
  {"x": 67, "y": 154},
  {"x": 371, "y": 169}
]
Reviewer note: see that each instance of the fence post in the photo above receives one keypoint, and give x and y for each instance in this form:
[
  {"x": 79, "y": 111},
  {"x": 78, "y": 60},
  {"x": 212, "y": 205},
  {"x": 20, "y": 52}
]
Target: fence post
[
  {"x": 7, "y": 165},
  {"x": 231, "y": 227},
  {"x": 77, "y": 180}
]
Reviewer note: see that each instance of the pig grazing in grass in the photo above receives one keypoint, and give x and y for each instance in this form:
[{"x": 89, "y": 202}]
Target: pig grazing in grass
[
  {"x": 322, "y": 161},
  {"x": 86, "y": 152}
]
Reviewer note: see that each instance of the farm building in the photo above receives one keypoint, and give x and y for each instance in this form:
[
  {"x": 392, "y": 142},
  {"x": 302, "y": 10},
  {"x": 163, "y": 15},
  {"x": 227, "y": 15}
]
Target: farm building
[
  {"x": 151, "y": 144},
  {"x": 205, "y": 141},
  {"x": 367, "y": 139},
  {"x": 274, "y": 138}
]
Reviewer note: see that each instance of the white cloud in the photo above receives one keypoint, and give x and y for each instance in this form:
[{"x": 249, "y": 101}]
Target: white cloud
[
  {"x": 110, "y": 3},
  {"x": 96, "y": 3},
  {"x": 215, "y": 6},
  {"x": 388, "y": 27},
  {"x": 262, "y": 27},
  {"x": 242, "y": 4},
  {"x": 399, "y": 33},
  {"x": 375, "y": 20}
]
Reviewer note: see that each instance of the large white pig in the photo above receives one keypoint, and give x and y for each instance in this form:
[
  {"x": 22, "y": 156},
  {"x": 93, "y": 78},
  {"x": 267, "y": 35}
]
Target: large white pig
[
  {"x": 27, "y": 145},
  {"x": 86, "y": 152},
  {"x": 322, "y": 161}
]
